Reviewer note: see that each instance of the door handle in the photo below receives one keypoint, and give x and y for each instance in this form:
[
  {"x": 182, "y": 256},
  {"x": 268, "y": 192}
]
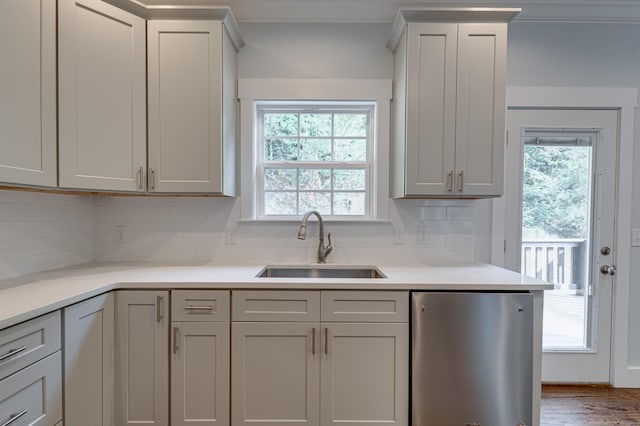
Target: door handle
[
  {"x": 608, "y": 270},
  {"x": 159, "y": 308},
  {"x": 176, "y": 336},
  {"x": 450, "y": 182}
]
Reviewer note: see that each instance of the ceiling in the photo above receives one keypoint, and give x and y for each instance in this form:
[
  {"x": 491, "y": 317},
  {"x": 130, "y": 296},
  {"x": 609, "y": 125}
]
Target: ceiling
[{"x": 620, "y": 11}]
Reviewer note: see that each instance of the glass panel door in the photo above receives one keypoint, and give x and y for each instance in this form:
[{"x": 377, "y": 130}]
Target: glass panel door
[
  {"x": 560, "y": 205},
  {"x": 557, "y": 196}
]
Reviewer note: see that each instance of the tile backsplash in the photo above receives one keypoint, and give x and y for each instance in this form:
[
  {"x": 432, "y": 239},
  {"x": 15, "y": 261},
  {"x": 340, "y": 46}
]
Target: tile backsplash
[
  {"x": 43, "y": 231},
  {"x": 208, "y": 230}
]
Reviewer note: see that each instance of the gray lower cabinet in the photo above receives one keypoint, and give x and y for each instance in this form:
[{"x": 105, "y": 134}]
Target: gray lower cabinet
[
  {"x": 142, "y": 357},
  {"x": 314, "y": 371},
  {"x": 200, "y": 357},
  {"x": 30, "y": 372},
  {"x": 89, "y": 342}
]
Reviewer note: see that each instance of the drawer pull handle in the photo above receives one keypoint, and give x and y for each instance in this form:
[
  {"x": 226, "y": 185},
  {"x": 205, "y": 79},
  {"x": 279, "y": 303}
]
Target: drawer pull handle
[
  {"x": 313, "y": 341},
  {"x": 12, "y": 353},
  {"x": 14, "y": 418},
  {"x": 198, "y": 308}
]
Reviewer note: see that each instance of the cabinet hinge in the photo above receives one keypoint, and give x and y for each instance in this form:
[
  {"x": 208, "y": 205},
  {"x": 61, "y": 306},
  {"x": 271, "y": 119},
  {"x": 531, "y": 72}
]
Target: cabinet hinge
[{"x": 590, "y": 291}]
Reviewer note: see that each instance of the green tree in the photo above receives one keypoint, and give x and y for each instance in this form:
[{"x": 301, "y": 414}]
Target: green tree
[{"x": 556, "y": 193}]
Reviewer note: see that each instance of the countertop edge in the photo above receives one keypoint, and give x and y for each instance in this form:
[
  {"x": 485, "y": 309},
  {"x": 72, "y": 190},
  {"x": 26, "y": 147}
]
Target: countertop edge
[{"x": 45, "y": 293}]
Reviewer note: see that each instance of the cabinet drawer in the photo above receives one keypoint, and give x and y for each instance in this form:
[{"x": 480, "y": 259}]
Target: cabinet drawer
[
  {"x": 34, "y": 394},
  {"x": 274, "y": 305},
  {"x": 365, "y": 306},
  {"x": 26, "y": 343},
  {"x": 199, "y": 305}
]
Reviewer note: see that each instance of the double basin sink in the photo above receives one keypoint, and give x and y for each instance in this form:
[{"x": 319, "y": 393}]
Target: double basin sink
[{"x": 320, "y": 271}]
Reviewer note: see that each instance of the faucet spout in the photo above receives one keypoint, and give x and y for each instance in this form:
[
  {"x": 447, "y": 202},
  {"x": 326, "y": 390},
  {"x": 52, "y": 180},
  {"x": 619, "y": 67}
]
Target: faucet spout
[{"x": 323, "y": 251}]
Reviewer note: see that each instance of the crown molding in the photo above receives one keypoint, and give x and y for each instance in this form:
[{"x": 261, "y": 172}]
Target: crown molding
[{"x": 380, "y": 11}]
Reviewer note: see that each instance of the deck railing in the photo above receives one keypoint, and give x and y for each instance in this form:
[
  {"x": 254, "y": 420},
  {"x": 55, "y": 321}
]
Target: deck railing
[{"x": 557, "y": 261}]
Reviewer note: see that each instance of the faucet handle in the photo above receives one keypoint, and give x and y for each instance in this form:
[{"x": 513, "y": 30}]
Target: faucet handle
[{"x": 329, "y": 248}]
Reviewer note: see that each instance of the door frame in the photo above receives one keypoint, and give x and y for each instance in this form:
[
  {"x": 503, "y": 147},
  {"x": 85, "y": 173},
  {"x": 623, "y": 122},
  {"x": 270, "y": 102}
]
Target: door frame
[{"x": 625, "y": 100}]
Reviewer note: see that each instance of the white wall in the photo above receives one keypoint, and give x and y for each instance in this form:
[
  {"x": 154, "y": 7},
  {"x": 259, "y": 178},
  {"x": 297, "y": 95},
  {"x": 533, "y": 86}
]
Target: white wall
[
  {"x": 43, "y": 231},
  {"x": 561, "y": 54},
  {"x": 194, "y": 230}
]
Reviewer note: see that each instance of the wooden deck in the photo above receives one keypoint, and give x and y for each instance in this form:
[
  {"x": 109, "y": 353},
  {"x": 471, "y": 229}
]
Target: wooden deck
[{"x": 589, "y": 405}]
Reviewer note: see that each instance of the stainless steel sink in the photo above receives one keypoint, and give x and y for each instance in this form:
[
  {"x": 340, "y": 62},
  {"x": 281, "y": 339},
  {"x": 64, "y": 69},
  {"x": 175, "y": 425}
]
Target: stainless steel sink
[{"x": 320, "y": 271}]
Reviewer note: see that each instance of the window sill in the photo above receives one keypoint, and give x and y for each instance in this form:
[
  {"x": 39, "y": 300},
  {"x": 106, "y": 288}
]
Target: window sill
[{"x": 325, "y": 220}]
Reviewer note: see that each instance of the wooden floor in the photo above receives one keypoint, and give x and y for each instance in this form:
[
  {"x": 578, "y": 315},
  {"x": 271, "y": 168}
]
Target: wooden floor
[{"x": 589, "y": 406}]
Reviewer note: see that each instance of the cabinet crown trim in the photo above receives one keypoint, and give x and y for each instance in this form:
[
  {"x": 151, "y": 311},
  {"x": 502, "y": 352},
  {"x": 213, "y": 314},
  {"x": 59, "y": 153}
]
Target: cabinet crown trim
[
  {"x": 447, "y": 14},
  {"x": 207, "y": 13}
]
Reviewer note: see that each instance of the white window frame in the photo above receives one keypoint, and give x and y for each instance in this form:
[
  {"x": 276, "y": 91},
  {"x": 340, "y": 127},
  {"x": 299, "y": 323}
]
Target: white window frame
[
  {"x": 252, "y": 92},
  {"x": 315, "y": 107}
]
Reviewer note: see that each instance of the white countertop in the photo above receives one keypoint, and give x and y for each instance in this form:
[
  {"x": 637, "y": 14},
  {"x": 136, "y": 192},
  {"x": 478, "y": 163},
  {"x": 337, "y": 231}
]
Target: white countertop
[{"x": 28, "y": 296}]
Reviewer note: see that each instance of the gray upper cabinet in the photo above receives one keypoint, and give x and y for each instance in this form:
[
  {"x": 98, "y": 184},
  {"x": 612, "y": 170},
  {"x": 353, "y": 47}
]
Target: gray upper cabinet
[
  {"x": 28, "y": 92},
  {"x": 449, "y": 102},
  {"x": 102, "y": 96},
  {"x": 192, "y": 105}
]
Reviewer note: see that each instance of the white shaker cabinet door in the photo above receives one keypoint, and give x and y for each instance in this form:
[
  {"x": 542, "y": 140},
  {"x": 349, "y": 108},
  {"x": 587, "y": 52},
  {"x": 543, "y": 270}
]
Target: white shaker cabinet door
[
  {"x": 365, "y": 373},
  {"x": 431, "y": 108},
  {"x": 28, "y": 92},
  {"x": 481, "y": 109},
  {"x": 189, "y": 110},
  {"x": 200, "y": 373},
  {"x": 102, "y": 97},
  {"x": 275, "y": 374},
  {"x": 89, "y": 333},
  {"x": 142, "y": 358}
]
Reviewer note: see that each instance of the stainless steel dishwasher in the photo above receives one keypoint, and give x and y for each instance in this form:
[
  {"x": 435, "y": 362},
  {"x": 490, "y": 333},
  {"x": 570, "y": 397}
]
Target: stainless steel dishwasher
[{"x": 471, "y": 359}]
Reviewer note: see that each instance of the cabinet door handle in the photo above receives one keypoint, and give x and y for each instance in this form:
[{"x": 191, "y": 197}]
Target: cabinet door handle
[
  {"x": 450, "y": 182},
  {"x": 140, "y": 178},
  {"x": 326, "y": 341},
  {"x": 176, "y": 335},
  {"x": 12, "y": 353},
  {"x": 14, "y": 418},
  {"x": 159, "y": 309},
  {"x": 313, "y": 341},
  {"x": 152, "y": 178},
  {"x": 461, "y": 181}
]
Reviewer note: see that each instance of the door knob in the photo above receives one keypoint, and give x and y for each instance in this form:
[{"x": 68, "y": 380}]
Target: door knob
[{"x": 608, "y": 270}]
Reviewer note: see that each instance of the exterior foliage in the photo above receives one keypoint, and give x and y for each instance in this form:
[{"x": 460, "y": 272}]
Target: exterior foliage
[{"x": 556, "y": 191}]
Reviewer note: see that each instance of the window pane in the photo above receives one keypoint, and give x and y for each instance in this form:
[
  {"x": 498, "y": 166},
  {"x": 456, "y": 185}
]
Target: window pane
[
  {"x": 281, "y": 149},
  {"x": 315, "y": 124},
  {"x": 279, "y": 203},
  {"x": 280, "y": 179},
  {"x": 350, "y": 150},
  {"x": 345, "y": 179},
  {"x": 280, "y": 124},
  {"x": 348, "y": 203},
  {"x": 315, "y": 179},
  {"x": 315, "y": 149},
  {"x": 320, "y": 201},
  {"x": 350, "y": 125}
]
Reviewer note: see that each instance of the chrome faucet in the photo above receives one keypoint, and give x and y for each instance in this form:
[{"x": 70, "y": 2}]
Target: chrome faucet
[{"x": 323, "y": 251}]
